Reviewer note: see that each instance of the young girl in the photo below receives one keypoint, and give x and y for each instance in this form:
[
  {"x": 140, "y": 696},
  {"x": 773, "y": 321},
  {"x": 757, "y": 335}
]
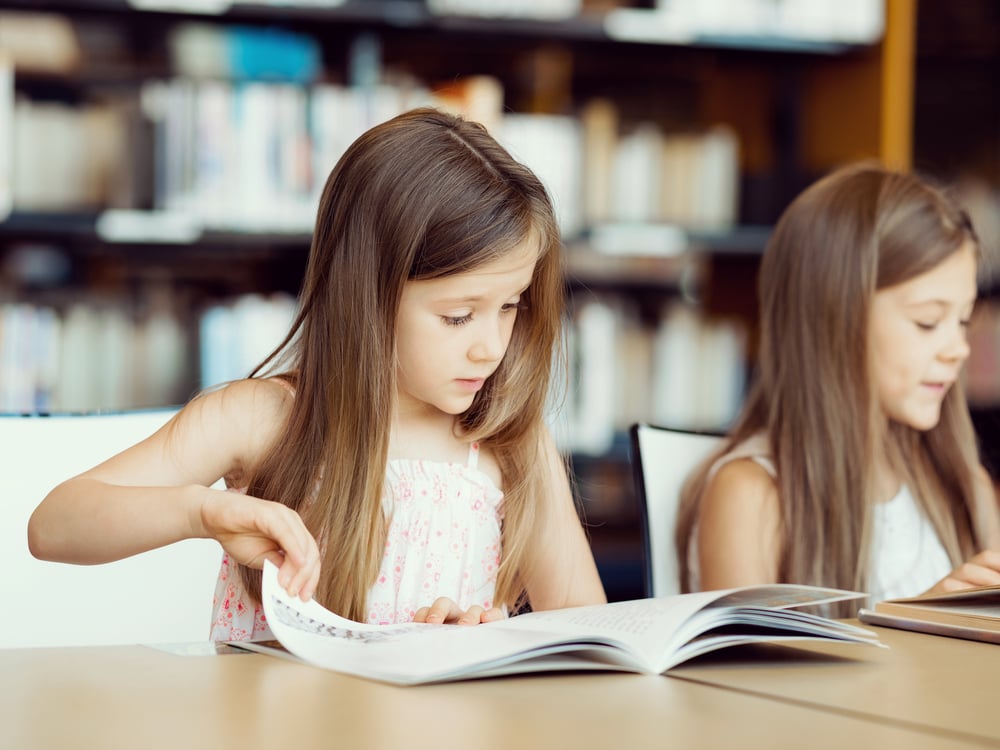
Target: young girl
[
  {"x": 854, "y": 462},
  {"x": 391, "y": 455}
]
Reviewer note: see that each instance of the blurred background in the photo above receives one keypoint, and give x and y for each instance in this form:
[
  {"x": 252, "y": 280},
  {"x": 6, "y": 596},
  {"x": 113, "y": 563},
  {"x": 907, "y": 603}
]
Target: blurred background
[{"x": 161, "y": 161}]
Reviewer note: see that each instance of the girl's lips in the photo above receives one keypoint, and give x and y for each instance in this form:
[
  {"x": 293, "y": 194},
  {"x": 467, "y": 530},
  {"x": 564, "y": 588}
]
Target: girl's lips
[
  {"x": 471, "y": 384},
  {"x": 939, "y": 386}
]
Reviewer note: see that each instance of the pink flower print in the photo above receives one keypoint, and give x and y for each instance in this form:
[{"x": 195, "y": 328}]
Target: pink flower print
[
  {"x": 402, "y": 492},
  {"x": 397, "y": 571},
  {"x": 380, "y": 613}
]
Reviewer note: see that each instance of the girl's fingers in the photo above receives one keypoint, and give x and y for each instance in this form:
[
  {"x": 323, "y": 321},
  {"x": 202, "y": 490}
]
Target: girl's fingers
[
  {"x": 978, "y": 575},
  {"x": 492, "y": 615},
  {"x": 445, "y": 610},
  {"x": 473, "y": 616},
  {"x": 988, "y": 559},
  {"x": 442, "y": 610}
]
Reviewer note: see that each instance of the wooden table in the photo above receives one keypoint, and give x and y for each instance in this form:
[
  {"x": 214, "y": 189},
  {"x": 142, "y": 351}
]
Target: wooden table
[
  {"x": 945, "y": 687},
  {"x": 140, "y": 697}
]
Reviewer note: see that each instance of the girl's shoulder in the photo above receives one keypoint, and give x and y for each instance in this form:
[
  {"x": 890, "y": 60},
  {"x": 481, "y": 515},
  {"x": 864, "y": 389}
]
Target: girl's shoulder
[
  {"x": 755, "y": 449},
  {"x": 745, "y": 475},
  {"x": 252, "y": 410},
  {"x": 252, "y": 396},
  {"x": 739, "y": 514},
  {"x": 741, "y": 486}
]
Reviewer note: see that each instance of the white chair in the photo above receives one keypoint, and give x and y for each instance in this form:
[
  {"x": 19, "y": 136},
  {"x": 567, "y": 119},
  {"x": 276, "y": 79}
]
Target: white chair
[
  {"x": 161, "y": 596},
  {"x": 662, "y": 459}
]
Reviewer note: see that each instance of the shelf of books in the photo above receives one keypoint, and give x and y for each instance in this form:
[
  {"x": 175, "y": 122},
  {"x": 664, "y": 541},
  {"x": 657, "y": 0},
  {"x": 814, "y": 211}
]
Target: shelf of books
[{"x": 161, "y": 161}]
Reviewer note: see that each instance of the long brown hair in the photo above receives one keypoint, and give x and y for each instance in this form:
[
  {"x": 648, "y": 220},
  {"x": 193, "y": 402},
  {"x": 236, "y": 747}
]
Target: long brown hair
[
  {"x": 860, "y": 229},
  {"x": 423, "y": 195}
]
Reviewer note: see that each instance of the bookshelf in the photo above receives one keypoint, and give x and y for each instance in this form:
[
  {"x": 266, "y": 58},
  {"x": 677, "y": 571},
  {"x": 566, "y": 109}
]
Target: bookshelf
[
  {"x": 129, "y": 233},
  {"x": 957, "y": 139}
]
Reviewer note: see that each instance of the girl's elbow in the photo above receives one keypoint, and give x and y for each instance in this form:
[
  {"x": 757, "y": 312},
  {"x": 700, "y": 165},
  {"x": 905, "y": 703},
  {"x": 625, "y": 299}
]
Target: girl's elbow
[
  {"x": 41, "y": 542},
  {"x": 36, "y": 539}
]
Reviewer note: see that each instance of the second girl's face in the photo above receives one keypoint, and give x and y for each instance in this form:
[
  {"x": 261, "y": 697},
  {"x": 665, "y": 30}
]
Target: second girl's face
[
  {"x": 452, "y": 332},
  {"x": 917, "y": 334}
]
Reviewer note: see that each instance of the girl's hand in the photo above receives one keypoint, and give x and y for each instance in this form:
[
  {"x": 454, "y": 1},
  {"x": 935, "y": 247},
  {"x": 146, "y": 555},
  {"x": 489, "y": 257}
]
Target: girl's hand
[
  {"x": 981, "y": 570},
  {"x": 445, "y": 611},
  {"x": 252, "y": 530}
]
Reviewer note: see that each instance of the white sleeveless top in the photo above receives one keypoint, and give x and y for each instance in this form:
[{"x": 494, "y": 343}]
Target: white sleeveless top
[
  {"x": 907, "y": 557},
  {"x": 443, "y": 539}
]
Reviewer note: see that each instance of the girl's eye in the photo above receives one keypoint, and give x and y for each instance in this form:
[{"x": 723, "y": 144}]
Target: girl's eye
[
  {"x": 457, "y": 321},
  {"x": 926, "y": 326},
  {"x": 964, "y": 322}
]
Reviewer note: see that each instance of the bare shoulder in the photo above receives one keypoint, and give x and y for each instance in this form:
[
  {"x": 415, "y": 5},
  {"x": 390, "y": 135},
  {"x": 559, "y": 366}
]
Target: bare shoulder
[
  {"x": 742, "y": 482},
  {"x": 739, "y": 527},
  {"x": 740, "y": 501},
  {"x": 250, "y": 410}
]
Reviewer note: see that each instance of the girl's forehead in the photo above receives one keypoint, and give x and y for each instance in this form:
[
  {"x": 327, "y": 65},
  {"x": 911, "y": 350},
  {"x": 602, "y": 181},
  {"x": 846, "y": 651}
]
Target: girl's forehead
[
  {"x": 951, "y": 280},
  {"x": 519, "y": 261},
  {"x": 507, "y": 274}
]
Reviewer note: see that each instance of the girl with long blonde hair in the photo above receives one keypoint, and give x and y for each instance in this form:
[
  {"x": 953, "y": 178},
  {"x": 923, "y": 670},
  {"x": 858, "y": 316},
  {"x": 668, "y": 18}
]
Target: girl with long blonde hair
[
  {"x": 391, "y": 455},
  {"x": 854, "y": 463}
]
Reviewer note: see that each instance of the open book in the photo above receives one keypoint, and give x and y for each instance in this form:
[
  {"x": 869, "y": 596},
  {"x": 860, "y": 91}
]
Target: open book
[
  {"x": 973, "y": 614},
  {"x": 644, "y": 635}
]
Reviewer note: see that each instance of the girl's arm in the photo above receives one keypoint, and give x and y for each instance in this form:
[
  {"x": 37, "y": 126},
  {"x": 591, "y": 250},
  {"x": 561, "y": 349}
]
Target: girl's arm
[
  {"x": 158, "y": 492},
  {"x": 738, "y": 528},
  {"x": 566, "y": 575},
  {"x": 988, "y": 508},
  {"x": 983, "y": 569}
]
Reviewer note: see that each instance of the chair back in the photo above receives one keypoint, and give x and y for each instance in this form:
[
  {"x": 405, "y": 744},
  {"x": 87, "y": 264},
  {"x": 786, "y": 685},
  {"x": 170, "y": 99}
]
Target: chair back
[
  {"x": 160, "y": 596},
  {"x": 662, "y": 459}
]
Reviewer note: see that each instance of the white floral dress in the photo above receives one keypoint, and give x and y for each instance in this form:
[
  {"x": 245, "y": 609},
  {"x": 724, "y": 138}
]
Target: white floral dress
[{"x": 443, "y": 540}]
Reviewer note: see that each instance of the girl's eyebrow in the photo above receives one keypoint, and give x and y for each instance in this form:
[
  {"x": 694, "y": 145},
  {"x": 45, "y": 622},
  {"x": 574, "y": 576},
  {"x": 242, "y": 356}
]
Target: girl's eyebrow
[
  {"x": 941, "y": 304},
  {"x": 477, "y": 297}
]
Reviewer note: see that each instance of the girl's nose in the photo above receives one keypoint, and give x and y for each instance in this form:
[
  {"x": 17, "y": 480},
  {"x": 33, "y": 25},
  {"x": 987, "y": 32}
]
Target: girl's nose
[
  {"x": 958, "y": 348},
  {"x": 489, "y": 344}
]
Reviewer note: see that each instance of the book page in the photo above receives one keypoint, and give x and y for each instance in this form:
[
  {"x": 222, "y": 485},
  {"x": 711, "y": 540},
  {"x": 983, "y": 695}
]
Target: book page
[
  {"x": 979, "y": 593},
  {"x": 416, "y": 653},
  {"x": 640, "y": 635}
]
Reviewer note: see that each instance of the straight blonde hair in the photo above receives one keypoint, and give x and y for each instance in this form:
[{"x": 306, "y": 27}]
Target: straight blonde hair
[
  {"x": 421, "y": 196},
  {"x": 861, "y": 229}
]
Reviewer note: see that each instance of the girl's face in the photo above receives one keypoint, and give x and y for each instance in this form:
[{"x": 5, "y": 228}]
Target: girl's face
[
  {"x": 452, "y": 332},
  {"x": 917, "y": 335}
]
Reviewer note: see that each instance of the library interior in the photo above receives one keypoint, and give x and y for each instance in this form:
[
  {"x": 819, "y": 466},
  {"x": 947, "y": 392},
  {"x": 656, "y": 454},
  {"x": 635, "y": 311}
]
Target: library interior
[{"x": 161, "y": 162}]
